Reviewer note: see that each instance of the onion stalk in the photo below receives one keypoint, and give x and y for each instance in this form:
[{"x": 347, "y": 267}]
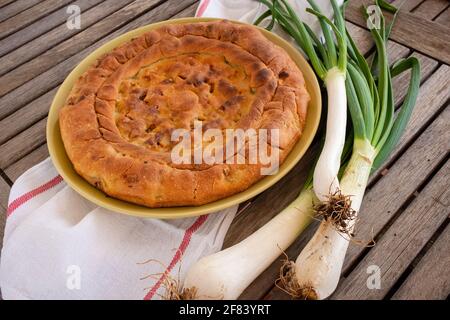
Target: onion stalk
[{"x": 376, "y": 132}]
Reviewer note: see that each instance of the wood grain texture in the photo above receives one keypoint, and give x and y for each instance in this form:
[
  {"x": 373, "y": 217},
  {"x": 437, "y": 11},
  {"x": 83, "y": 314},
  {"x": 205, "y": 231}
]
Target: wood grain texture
[
  {"x": 430, "y": 9},
  {"x": 425, "y": 36},
  {"x": 15, "y": 7},
  {"x": 5, "y": 2},
  {"x": 79, "y": 41},
  {"x": 4, "y": 193},
  {"x": 31, "y": 159},
  {"x": 26, "y": 116},
  {"x": 59, "y": 34},
  {"x": 430, "y": 279},
  {"x": 444, "y": 17},
  {"x": 188, "y": 11},
  {"x": 22, "y": 144},
  {"x": 405, "y": 238},
  {"x": 407, "y": 5},
  {"x": 41, "y": 26},
  {"x": 55, "y": 75},
  {"x": 30, "y": 15}
]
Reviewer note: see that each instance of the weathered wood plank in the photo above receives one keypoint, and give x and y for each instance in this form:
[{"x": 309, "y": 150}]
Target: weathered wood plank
[
  {"x": 22, "y": 144},
  {"x": 79, "y": 41},
  {"x": 188, "y": 11},
  {"x": 425, "y": 36},
  {"x": 388, "y": 195},
  {"x": 407, "y": 5},
  {"x": 16, "y": 7},
  {"x": 30, "y": 15},
  {"x": 405, "y": 238},
  {"x": 430, "y": 9},
  {"x": 444, "y": 17},
  {"x": 430, "y": 278},
  {"x": 41, "y": 26},
  {"x": 5, "y": 2},
  {"x": 4, "y": 193},
  {"x": 17, "y": 168},
  {"x": 55, "y": 75},
  {"x": 432, "y": 95},
  {"x": 26, "y": 116},
  {"x": 61, "y": 33}
]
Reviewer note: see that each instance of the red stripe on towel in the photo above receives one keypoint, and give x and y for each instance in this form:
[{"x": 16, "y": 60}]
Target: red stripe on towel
[
  {"x": 176, "y": 258},
  {"x": 33, "y": 193},
  {"x": 202, "y": 8}
]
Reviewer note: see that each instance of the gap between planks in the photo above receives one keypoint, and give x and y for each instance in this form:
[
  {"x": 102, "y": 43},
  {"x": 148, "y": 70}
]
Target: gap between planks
[
  {"x": 42, "y": 26},
  {"x": 49, "y": 40},
  {"x": 422, "y": 35},
  {"x": 79, "y": 41},
  {"x": 16, "y": 7},
  {"x": 27, "y": 17},
  {"x": 429, "y": 280}
]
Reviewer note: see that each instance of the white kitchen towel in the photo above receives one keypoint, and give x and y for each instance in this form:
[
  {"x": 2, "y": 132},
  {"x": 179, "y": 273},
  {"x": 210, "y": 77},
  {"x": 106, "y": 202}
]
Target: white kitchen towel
[{"x": 57, "y": 245}]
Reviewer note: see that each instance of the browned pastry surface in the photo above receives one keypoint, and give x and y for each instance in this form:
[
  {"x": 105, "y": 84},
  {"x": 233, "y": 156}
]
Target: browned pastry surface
[{"x": 117, "y": 122}]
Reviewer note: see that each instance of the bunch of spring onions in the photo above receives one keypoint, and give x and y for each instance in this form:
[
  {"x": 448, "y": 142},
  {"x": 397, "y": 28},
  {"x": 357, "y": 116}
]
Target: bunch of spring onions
[
  {"x": 376, "y": 132},
  {"x": 367, "y": 92}
]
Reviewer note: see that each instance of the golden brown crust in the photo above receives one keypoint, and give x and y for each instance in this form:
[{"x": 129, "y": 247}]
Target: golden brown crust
[{"x": 117, "y": 121}]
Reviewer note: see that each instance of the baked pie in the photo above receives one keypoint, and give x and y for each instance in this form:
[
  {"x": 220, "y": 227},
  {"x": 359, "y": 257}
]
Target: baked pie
[{"x": 118, "y": 122}]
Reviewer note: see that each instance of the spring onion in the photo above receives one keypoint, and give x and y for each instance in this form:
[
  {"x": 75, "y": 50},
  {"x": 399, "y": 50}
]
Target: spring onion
[{"x": 376, "y": 132}]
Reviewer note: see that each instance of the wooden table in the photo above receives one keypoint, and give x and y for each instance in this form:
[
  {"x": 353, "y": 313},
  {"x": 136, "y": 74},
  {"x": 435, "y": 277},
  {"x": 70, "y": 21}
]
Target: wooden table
[{"x": 406, "y": 208}]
